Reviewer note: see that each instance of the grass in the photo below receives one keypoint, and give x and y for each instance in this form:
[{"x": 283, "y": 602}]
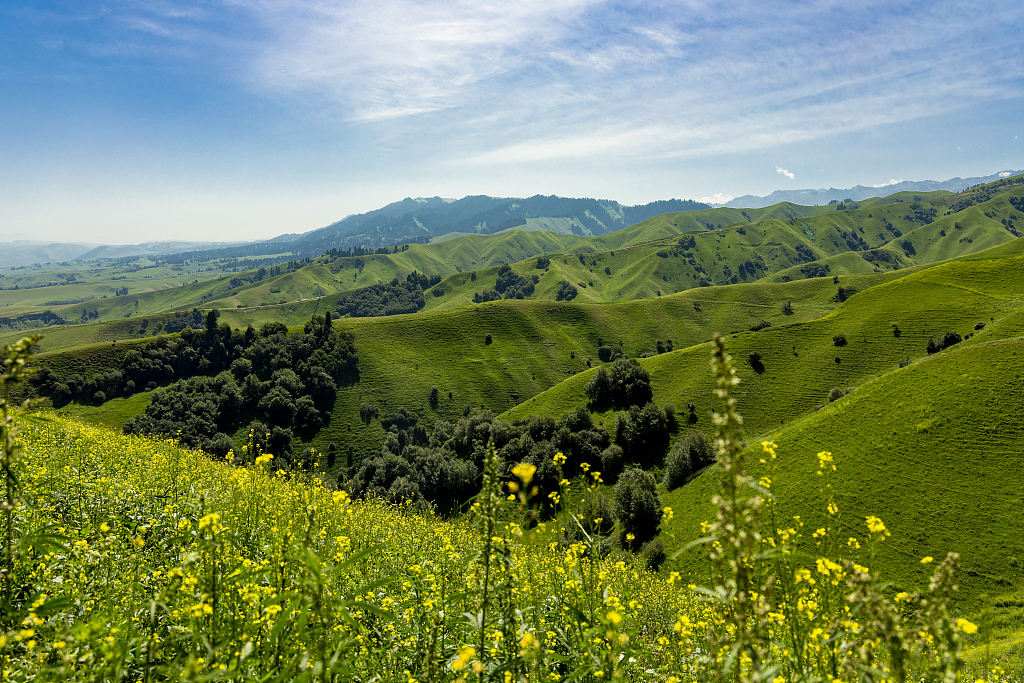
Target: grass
[{"x": 146, "y": 561}]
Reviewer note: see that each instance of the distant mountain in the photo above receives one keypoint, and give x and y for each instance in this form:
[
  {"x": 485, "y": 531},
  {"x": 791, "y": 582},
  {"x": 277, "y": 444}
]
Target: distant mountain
[
  {"x": 411, "y": 221},
  {"x": 27, "y": 252},
  {"x": 861, "y": 192}
]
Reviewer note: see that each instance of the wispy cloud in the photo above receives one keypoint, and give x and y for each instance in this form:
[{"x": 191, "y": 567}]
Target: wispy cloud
[
  {"x": 537, "y": 80},
  {"x": 891, "y": 182},
  {"x": 782, "y": 171}
]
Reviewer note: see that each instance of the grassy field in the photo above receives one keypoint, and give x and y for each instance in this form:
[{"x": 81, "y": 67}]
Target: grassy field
[
  {"x": 916, "y": 440},
  {"x": 535, "y": 346},
  {"x": 167, "y": 565}
]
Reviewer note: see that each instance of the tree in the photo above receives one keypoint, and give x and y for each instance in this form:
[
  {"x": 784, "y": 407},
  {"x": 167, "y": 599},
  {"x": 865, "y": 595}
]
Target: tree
[
  {"x": 691, "y": 453},
  {"x": 211, "y": 320},
  {"x": 638, "y": 507},
  {"x": 566, "y": 291}
]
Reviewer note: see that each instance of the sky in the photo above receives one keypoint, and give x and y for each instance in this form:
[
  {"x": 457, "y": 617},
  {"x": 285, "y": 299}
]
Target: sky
[{"x": 132, "y": 121}]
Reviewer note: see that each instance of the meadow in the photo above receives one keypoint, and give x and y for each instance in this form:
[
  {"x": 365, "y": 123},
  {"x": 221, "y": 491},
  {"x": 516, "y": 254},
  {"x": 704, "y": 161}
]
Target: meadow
[
  {"x": 131, "y": 559},
  {"x": 135, "y": 559}
]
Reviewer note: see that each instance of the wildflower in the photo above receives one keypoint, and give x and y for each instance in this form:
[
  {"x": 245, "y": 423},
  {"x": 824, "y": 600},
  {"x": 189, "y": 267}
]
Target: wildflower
[
  {"x": 927, "y": 560},
  {"x": 668, "y": 514},
  {"x": 525, "y": 472},
  {"x": 966, "y": 626},
  {"x": 876, "y": 526},
  {"x": 465, "y": 654}
]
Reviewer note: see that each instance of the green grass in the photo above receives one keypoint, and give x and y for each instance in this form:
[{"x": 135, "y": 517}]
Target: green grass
[
  {"x": 916, "y": 441},
  {"x": 933, "y": 449}
]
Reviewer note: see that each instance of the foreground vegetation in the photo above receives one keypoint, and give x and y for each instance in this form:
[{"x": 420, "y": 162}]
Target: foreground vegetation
[{"x": 132, "y": 559}]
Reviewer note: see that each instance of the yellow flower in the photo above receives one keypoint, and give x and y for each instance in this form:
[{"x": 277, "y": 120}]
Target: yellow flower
[
  {"x": 668, "y": 514},
  {"x": 966, "y": 626},
  {"x": 876, "y": 526},
  {"x": 927, "y": 560},
  {"x": 525, "y": 472},
  {"x": 465, "y": 654}
]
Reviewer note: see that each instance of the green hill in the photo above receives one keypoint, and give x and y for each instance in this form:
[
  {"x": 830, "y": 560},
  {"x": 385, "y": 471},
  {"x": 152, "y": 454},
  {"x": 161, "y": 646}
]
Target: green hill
[{"x": 934, "y": 449}]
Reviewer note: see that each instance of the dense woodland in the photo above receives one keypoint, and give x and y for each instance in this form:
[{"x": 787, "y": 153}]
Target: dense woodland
[{"x": 278, "y": 384}]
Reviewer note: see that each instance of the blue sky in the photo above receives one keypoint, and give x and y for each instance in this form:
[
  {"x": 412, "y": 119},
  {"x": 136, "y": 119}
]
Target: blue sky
[{"x": 142, "y": 120}]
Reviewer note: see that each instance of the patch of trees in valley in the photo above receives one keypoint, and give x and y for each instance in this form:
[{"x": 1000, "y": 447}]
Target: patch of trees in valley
[
  {"x": 280, "y": 383},
  {"x": 394, "y": 298}
]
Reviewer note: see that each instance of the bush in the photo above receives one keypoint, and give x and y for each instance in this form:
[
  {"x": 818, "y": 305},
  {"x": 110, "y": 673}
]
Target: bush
[
  {"x": 653, "y": 553},
  {"x": 627, "y": 384},
  {"x": 905, "y": 361},
  {"x": 691, "y": 453},
  {"x": 643, "y": 434},
  {"x": 612, "y": 461},
  {"x": 755, "y": 361},
  {"x": 638, "y": 507},
  {"x": 787, "y": 308},
  {"x": 487, "y": 338},
  {"x": 943, "y": 341},
  {"x": 839, "y": 339},
  {"x": 835, "y": 394},
  {"x": 566, "y": 291}
]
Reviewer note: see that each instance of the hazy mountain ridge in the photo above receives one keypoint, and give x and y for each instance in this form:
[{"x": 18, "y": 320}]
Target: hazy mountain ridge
[
  {"x": 27, "y": 252},
  {"x": 809, "y": 197}
]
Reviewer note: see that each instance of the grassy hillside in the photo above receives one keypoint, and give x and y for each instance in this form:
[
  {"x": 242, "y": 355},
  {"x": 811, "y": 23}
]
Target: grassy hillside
[
  {"x": 534, "y": 347},
  {"x": 782, "y": 242},
  {"x": 933, "y": 449},
  {"x": 800, "y": 360}
]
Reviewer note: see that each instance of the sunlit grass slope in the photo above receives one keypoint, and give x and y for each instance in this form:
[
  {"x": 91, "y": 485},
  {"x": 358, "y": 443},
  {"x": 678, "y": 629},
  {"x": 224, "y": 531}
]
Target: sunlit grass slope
[
  {"x": 533, "y": 348},
  {"x": 935, "y": 449},
  {"x": 802, "y": 363},
  {"x": 249, "y": 574}
]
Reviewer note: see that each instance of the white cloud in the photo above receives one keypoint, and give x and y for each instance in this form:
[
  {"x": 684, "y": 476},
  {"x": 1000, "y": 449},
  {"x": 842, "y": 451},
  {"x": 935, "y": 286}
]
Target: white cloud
[
  {"x": 1004, "y": 174},
  {"x": 717, "y": 198},
  {"x": 891, "y": 182},
  {"x": 782, "y": 171}
]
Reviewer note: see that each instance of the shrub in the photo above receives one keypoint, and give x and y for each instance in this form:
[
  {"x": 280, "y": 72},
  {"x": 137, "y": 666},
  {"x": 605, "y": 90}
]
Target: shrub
[
  {"x": 979, "y": 325},
  {"x": 596, "y": 517},
  {"x": 692, "y": 452},
  {"x": 566, "y": 291},
  {"x": 487, "y": 338},
  {"x": 835, "y": 394},
  {"x": 653, "y": 553},
  {"x": 638, "y": 507},
  {"x": 433, "y": 396},
  {"x": 943, "y": 341},
  {"x": 612, "y": 461},
  {"x": 643, "y": 434},
  {"x": 627, "y": 384},
  {"x": 787, "y": 308},
  {"x": 905, "y": 361},
  {"x": 839, "y": 339},
  {"x": 367, "y": 412}
]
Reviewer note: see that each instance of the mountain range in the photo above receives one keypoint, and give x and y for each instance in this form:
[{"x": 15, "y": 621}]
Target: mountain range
[{"x": 860, "y": 192}]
